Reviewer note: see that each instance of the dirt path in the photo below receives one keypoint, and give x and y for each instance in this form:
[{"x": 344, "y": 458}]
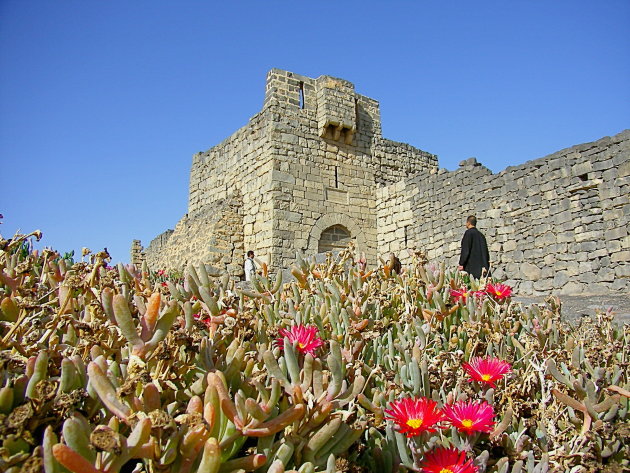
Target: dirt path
[{"x": 574, "y": 307}]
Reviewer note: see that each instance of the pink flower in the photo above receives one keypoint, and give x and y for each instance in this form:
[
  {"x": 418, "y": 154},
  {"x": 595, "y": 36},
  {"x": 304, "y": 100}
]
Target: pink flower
[
  {"x": 305, "y": 336},
  {"x": 469, "y": 417},
  {"x": 414, "y": 416},
  {"x": 203, "y": 319},
  {"x": 460, "y": 294},
  {"x": 487, "y": 370},
  {"x": 447, "y": 460},
  {"x": 499, "y": 291}
]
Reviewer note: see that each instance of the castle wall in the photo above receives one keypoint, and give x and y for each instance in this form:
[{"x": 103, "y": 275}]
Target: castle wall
[
  {"x": 213, "y": 237},
  {"x": 558, "y": 223},
  {"x": 229, "y": 205},
  {"x": 241, "y": 164},
  {"x": 328, "y": 157}
]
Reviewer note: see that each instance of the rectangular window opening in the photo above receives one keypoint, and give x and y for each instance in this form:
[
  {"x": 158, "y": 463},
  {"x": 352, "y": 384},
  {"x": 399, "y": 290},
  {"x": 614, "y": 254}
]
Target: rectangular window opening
[
  {"x": 301, "y": 93},
  {"x": 583, "y": 177}
]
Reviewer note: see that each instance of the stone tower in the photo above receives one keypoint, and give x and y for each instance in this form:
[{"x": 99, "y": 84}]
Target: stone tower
[{"x": 300, "y": 176}]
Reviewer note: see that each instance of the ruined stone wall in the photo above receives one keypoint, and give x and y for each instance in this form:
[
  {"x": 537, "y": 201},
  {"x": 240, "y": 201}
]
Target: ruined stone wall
[
  {"x": 315, "y": 158},
  {"x": 214, "y": 238},
  {"x": 558, "y": 223}
]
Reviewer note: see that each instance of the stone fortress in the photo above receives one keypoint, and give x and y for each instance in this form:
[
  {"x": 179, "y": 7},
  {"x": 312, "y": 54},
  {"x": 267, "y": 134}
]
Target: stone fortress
[{"x": 311, "y": 172}]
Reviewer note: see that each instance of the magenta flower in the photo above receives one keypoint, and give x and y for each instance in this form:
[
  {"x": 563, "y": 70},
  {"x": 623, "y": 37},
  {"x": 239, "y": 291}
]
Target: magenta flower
[
  {"x": 499, "y": 291},
  {"x": 305, "y": 336},
  {"x": 487, "y": 370},
  {"x": 470, "y": 416},
  {"x": 447, "y": 460},
  {"x": 414, "y": 416},
  {"x": 460, "y": 294}
]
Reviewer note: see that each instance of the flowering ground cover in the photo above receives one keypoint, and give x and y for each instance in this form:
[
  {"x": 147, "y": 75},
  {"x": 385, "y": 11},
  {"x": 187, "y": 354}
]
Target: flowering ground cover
[{"x": 344, "y": 368}]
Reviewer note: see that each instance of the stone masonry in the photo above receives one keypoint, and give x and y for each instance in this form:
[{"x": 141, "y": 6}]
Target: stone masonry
[
  {"x": 557, "y": 224},
  {"x": 311, "y": 171},
  {"x": 311, "y": 160}
]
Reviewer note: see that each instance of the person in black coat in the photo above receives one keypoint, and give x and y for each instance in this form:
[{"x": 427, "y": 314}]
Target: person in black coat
[{"x": 474, "y": 257}]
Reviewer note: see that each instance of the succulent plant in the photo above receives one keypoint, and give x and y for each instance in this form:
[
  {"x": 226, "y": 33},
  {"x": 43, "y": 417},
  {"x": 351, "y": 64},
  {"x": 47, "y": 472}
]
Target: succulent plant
[{"x": 107, "y": 369}]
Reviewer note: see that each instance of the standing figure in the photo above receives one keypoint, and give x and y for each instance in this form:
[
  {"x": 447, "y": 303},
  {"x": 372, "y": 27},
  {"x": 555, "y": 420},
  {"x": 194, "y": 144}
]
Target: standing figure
[
  {"x": 250, "y": 266},
  {"x": 474, "y": 257}
]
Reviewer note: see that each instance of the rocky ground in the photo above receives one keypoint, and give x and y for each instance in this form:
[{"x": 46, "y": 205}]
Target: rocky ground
[{"x": 574, "y": 307}]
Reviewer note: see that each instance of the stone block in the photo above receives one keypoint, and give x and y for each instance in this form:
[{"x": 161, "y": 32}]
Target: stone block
[
  {"x": 606, "y": 275},
  {"x": 547, "y": 272},
  {"x": 509, "y": 245},
  {"x": 587, "y": 278},
  {"x": 560, "y": 279},
  {"x": 588, "y": 246},
  {"x": 572, "y": 288},
  {"x": 623, "y": 270},
  {"x": 588, "y": 235},
  {"x": 620, "y": 257},
  {"x": 530, "y": 271},
  {"x": 543, "y": 285},
  {"x": 615, "y": 233}
]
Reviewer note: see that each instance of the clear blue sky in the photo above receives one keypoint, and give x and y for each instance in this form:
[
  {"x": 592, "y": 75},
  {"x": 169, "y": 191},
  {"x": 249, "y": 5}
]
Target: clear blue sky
[{"x": 103, "y": 103}]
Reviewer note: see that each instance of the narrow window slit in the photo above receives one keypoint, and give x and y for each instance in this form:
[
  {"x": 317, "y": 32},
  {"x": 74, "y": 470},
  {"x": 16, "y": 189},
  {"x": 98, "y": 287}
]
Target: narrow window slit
[
  {"x": 301, "y": 94},
  {"x": 406, "y": 241},
  {"x": 336, "y": 177}
]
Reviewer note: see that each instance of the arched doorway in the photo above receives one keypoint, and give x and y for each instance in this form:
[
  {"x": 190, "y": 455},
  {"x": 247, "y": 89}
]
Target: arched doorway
[
  {"x": 346, "y": 222},
  {"x": 334, "y": 238}
]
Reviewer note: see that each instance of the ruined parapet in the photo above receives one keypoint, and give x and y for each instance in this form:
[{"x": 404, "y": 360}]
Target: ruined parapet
[
  {"x": 214, "y": 237},
  {"x": 137, "y": 253}
]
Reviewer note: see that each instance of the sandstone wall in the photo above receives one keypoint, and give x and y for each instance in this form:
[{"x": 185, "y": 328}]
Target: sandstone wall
[
  {"x": 213, "y": 237},
  {"x": 229, "y": 206},
  {"x": 395, "y": 221},
  {"x": 240, "y": 165},
  {"x": 558, "y": 223},
  {"x": 329, "y": 156}
]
